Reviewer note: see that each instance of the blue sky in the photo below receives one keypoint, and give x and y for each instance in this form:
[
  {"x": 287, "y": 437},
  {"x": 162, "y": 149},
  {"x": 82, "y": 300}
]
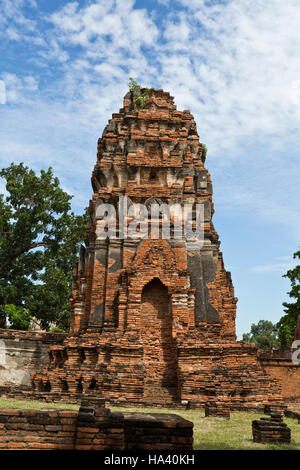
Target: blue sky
[{"x": 235, "y": 64}]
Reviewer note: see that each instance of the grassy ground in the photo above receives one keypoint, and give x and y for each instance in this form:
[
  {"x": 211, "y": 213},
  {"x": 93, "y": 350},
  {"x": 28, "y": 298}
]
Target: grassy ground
[
  {"x": 221, "y": 434},
  {"x": 209, "y": 433},
  {"x": 34, "y": 404}
]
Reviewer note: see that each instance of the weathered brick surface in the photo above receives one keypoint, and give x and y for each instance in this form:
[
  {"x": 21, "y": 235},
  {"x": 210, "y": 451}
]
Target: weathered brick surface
[
  {"x": 157, "y": 431},
  {"x": 45, "y": 337},
  {"x": 153, "y": 321},
  {"x": 92, "y": 428},
  {"x": 271, "y": 429},
  {"x": 278, "y": 364},
  {"x": 21, "y": 354},
  {"x": 36, "y": 429},
  {"x": 217, "y": 409}
]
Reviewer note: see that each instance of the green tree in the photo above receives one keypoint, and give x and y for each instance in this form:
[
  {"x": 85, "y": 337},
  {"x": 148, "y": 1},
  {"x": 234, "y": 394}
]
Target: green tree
[
  {"x": 19, "y": 317},
  {"x": 263, "y": 335},
  {"x": 39, "y": 241},
  {"x": 287, "y": 323}
]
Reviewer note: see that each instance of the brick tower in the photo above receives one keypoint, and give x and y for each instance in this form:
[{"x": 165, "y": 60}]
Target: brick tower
[{"x": 153, "y": 320}]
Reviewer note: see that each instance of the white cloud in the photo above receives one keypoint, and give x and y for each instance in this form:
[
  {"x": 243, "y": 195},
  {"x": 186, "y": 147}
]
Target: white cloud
[
  {"x": 192, "y": 4},
  {"x": 239, "y": 62},
  {"x": 11, "y": 12},
  {"x": 233, "y": 64},
  {"x": 13, "y": 34},
  {"x": 17, "y": 88},
  {"x": 115, "y": 23},
  {"x": 275, "y": 267}
]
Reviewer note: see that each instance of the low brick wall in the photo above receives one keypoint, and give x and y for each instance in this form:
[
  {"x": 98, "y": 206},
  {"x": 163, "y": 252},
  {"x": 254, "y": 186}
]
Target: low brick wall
[
  {"x": 143, "y": 431},
  {"x": 278, "y": 364},
  {"x": 22, "y": 353},
  {"x": 37, "y": 429},
  {"x": 92, "y": 428}
]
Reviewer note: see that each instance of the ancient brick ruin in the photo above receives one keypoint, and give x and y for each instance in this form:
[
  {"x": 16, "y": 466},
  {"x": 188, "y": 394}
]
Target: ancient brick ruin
[
  {"x": 271, "y": 429},
  {"x": 21, "y": 354},
  {"x": 217, "y": 409},
  {"x": 92, "y": 427},
  {"x": 153, "y": 320}
]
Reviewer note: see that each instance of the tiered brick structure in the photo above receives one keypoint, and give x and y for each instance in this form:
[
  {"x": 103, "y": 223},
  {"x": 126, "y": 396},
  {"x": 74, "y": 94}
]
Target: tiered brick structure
[
  {"x": 271, "y": 429},
  {"x": 153, "y": 320}
]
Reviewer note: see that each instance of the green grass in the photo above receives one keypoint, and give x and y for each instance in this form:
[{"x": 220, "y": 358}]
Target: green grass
[
  {"x": 35, "y": 404},
  {"x": 222, "y": 434},
  {"x": 209, "y": 433}
]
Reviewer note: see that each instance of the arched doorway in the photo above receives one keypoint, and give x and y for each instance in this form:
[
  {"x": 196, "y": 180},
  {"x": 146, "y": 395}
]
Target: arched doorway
[{"x": 160, "y": 356}]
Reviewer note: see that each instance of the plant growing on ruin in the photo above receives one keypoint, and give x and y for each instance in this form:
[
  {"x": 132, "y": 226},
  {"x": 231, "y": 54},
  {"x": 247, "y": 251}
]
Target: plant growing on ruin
[
  {"x": 142, "y": 99},
  {"x": 132, "y": 85},
  {"x": 143, "y": 94},
  {"x": 204, "y": 151}
]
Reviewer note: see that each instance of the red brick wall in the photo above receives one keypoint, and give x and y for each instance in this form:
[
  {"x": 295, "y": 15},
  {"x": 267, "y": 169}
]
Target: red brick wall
[
  {"x": 278, "y": 364},
  {"x": 45, "y": 337},
  {"x": 92, "y": 429},
  {"x": 37, "y": 429},
  {"x": 289, "y": 376}
]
